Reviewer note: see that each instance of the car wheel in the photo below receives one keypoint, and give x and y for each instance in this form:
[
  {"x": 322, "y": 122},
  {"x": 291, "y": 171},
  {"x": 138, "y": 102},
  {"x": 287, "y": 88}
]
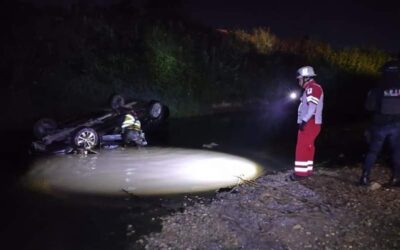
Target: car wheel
[
  {"x": 44, "y": 127},
  {"x": 156, "y": 110},
  {"x": 117, "y": 101},
  {"x": 86, "y": 138}
]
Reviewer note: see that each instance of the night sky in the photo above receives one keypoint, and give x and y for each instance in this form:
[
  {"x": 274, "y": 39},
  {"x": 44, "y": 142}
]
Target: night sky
[
  {"x": 356, "y": 23},
  {"x": 340, "y": 22}
]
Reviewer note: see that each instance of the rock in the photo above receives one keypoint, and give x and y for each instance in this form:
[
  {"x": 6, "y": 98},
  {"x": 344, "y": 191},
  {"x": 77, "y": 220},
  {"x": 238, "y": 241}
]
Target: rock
[
  {"x": 374, "y": 186},
  {"x": 297, "y": 227}
]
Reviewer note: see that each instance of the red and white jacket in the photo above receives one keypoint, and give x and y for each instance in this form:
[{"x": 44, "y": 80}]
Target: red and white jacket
[{"x": 312, "y": 103}]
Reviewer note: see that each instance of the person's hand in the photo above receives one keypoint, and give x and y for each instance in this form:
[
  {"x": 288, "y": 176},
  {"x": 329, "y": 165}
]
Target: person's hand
[{"x": 302, "y": 125}]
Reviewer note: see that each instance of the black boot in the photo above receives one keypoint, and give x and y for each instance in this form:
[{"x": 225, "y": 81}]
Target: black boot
[
  {"x": 294, "y": 177},
  {"x": 394, "y": 182},
  {"x": 364, "y": 180}
]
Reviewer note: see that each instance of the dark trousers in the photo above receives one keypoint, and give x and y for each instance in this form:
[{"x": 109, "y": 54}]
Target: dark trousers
[
  {"x": 130, "y": 135},
  {"x": 379, "y": 134}
]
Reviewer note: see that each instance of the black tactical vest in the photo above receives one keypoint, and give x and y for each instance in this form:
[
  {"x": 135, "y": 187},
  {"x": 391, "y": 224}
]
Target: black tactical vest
[
  {"x": 390, "y": 101},
  {"x": 385, "y": 104}
]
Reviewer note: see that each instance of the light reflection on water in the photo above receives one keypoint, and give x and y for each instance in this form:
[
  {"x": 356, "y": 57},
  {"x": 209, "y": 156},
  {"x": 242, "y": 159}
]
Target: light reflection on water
[{"x": 145, "y": 171}]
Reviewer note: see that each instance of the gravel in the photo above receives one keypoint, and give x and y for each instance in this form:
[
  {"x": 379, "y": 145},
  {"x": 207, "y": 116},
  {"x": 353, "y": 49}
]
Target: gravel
[{"x": 325, "y": 211}]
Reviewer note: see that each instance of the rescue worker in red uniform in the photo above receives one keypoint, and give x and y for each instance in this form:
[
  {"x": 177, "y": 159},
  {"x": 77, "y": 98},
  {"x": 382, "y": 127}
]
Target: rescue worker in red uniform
[
  {"x": 309, "y": 120},
  {"x": 384, "y": 103}
]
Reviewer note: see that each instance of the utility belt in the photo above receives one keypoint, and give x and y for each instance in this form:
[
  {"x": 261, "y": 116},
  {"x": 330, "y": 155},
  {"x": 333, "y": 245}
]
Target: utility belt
[{"x": 381, "y": 120}]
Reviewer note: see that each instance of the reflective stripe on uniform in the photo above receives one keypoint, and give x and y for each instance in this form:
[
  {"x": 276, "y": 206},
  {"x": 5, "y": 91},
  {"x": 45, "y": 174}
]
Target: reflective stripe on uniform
[
  {"x": 128, "y": 121},
  {"x": 303, "y": 163},
  {"x": 137, "y": 124},
  {"x": 301, "y": 170},
  {"x": 312, "y": 99}
]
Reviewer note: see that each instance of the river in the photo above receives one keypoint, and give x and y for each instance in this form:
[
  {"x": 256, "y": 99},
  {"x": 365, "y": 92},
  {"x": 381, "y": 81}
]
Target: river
[{"x": 108, "y": 200}]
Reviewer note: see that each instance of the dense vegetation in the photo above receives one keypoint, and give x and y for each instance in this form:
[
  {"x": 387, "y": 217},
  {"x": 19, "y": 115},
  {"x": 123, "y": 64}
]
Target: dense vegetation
[{"x": 58, "y": 62}]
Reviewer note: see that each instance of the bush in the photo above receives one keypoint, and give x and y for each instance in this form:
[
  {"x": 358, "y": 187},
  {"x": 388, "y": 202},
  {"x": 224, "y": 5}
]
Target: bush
[{"x": 68, "y": 61}]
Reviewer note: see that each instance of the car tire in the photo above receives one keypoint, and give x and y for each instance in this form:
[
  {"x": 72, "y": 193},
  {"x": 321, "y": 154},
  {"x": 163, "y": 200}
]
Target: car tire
[
  {"x": 85, "y": 138},
  {"x": 156, "y": 110},
  {"x": 117, "y": 101},
  {"x": 44, "y": 127}
]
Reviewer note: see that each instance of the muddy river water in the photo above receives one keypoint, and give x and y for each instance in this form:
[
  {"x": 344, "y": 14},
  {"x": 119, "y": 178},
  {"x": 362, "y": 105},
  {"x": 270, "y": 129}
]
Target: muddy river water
[
  {"x": 110, "y": 199},
  {"x": 143, "y": 171}
]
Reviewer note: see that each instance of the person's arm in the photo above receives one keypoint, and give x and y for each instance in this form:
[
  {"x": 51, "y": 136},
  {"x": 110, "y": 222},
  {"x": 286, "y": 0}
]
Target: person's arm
[
  {"x": 313, "y": 96},
  {"x": 370, "y": 102},
  {"x": 312, "y": 107}
]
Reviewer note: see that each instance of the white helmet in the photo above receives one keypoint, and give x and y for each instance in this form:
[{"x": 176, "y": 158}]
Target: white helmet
[{"x": 306, "y": 71}]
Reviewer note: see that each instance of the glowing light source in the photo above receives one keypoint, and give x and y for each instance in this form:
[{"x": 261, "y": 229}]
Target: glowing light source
[
  {"x": 150, "y": 171},
  {"x": 293, "y": 95}
]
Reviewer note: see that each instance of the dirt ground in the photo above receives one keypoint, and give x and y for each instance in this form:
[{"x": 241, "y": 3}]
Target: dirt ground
[{"x": 325, "y": 211}]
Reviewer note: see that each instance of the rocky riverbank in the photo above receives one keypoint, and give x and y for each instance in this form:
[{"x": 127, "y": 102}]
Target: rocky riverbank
[{"x": 325, "y": 211}]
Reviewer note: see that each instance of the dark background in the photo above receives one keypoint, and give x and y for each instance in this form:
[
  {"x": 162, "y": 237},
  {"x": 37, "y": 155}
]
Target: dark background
[
  {"x": 56, "y": 63},
  {"x": 340, "y": 23}
]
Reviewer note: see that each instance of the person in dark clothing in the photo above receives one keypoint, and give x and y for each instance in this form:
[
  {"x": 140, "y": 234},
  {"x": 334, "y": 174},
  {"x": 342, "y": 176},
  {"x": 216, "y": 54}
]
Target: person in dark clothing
[
  {"x": 384, "y": 102},
  {"x": 131, "y": 129}
]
